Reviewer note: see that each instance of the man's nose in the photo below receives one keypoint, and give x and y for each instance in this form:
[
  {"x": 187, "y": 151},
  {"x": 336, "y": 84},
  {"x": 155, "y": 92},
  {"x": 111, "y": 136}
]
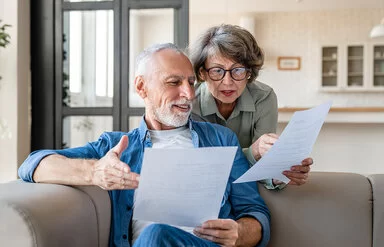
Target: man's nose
[{"x": 187, "y": 91}]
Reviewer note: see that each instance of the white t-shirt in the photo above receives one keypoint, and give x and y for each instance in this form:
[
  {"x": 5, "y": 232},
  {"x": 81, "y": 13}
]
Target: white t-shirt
[{"x": 175, "y": 138}]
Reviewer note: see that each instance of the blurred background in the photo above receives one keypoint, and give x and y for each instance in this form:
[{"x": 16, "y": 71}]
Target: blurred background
[{"x": 67, "y": 71}]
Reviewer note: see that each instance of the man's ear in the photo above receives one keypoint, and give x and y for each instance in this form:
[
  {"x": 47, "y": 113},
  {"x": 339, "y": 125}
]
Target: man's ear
[{"x": 140, "y": 86}]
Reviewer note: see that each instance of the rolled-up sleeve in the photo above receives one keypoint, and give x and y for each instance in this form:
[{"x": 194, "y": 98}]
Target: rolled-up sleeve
[
  {"x": 29, "y": 165},
  {"x": 245, "y": 197},
  {"x": 92, "y": 150}
]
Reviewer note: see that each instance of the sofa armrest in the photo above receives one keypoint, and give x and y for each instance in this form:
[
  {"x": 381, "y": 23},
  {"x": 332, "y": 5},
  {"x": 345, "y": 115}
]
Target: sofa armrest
[
  {"x": 53, "y": 215},
  {"x": 377, "y": 182},
  {"x": 331, "y": 209}
]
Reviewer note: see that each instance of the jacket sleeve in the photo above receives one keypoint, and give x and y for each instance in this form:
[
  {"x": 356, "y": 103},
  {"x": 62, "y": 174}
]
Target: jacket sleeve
[
  {"x": 245, "y": 197},
  {"x": 92, "y": 150}
]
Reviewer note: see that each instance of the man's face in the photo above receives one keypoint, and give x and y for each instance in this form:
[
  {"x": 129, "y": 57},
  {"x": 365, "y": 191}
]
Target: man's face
[{"x": 169, "y": 90}]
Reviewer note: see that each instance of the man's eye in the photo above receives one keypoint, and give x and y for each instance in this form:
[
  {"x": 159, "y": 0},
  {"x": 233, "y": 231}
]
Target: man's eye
[{"x": 173, "y": 83}]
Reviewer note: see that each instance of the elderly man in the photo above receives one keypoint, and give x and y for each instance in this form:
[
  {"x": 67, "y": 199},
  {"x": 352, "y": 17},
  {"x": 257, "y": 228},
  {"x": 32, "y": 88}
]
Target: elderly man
[{"x": 164, "y": 79}]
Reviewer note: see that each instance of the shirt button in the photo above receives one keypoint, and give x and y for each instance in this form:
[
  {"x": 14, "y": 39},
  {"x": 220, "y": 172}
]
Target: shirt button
[{"x": 124, "y": 236}]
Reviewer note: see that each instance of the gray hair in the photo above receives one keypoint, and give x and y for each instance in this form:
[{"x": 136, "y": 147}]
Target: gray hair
[
  {"x": 144, "y": 56},
  {"x": 230, "y": 41}
]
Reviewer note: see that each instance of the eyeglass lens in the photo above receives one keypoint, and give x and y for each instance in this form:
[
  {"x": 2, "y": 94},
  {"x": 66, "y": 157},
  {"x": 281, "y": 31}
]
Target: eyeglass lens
[{"x": 237, "y": 74}]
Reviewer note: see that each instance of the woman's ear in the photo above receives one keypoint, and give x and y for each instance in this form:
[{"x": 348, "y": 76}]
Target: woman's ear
[
  {"x": 140, "y": 87},
  {"x": 201, "y": 73}
]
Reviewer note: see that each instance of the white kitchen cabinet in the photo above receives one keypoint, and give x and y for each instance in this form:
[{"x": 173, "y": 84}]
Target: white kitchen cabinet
[{"x": 352, "y": 68}]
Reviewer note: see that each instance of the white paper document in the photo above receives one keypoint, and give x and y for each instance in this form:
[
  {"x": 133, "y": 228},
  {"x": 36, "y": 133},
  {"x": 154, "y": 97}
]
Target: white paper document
[
  {"x": 182, "y": 187},
  {"x": 294, "y": 144}
]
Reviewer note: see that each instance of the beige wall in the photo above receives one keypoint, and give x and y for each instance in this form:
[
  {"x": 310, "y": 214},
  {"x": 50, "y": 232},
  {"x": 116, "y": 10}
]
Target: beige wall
[
  {"x": 302, "y": 34},
  {"x": 14, "y": 92},
  {"x": 340, "y": 147},
  {"x": 348, "y": 142}
]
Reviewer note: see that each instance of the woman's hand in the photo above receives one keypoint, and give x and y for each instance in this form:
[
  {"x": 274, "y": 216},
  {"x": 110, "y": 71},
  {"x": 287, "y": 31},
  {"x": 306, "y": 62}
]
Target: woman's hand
[{"x": 263, "y": 144}]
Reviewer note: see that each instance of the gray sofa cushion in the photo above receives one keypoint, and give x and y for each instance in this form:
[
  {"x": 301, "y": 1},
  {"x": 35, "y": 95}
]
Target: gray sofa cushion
[
  {"x": 47, "y": 215},
  {"x": 332, "y": 209}
]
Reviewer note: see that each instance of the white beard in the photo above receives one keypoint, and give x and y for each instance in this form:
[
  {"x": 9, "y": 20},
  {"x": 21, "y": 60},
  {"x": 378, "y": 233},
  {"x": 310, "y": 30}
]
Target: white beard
[{"x": 166, "y": 116}]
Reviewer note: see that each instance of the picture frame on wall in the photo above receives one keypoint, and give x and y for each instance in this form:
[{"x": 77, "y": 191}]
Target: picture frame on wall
[{"x": 288, "y": 63}]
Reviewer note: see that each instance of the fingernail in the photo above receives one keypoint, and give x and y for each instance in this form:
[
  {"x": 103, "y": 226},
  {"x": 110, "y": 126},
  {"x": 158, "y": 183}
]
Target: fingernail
[
  {"x": 293, "y": 168},
  {"x": 138, "y": 178},
  {"x": 126, "y": 169}
]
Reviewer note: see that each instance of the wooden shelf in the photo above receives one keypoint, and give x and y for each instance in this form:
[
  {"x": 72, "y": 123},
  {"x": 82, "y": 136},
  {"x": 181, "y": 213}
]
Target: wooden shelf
[
  {"x": 336, "y": 109},
  {"x": 341, "y": 115}
]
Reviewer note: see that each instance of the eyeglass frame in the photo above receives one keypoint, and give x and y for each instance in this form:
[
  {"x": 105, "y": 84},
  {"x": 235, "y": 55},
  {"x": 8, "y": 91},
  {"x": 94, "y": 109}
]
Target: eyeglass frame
[{"x": 225, "y": 72}]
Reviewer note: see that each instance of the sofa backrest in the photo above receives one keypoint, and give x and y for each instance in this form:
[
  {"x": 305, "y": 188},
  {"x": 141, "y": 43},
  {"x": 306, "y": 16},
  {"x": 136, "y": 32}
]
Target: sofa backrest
[
  {"x": 377, "y": 182},
  {"x": 332, "y": 209}
]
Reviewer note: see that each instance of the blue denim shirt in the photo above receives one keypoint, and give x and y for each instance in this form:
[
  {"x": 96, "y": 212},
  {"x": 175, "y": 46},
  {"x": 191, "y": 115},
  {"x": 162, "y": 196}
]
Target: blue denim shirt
[{"x": 240, "y": 199}]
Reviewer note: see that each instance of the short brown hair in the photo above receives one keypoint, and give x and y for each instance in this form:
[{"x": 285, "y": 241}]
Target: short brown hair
[{"x": 232, "y": 42}]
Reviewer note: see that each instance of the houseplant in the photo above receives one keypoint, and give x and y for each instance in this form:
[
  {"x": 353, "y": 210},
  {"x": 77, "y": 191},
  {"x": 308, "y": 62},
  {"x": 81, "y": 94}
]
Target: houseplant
[
  {"x": 4, "y": 41},
  {"x": 4, "y": 36}
]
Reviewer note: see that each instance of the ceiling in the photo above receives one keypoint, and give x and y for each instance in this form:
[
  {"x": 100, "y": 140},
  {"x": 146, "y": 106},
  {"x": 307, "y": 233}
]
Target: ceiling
[{"x": 248, "y": 6}]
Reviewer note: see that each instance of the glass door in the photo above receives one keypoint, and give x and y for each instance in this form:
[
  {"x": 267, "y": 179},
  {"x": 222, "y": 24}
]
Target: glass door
[
  {"x": 146, "y": 23},
  {"x": 83, "y": 64}
]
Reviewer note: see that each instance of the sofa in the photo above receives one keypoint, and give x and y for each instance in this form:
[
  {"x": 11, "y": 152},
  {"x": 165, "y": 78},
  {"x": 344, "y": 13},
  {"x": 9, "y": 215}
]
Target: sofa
[{"x": 332, "y": 209}]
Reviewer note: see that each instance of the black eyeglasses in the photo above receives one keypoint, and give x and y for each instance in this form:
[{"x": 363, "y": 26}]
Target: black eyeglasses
[{"x": 237, "y": 74}]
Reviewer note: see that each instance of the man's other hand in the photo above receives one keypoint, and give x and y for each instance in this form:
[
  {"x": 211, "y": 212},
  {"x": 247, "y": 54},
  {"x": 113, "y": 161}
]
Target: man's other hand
[
  {"x": 224, "y": 232},
  {"x": 110, "y": 173}
]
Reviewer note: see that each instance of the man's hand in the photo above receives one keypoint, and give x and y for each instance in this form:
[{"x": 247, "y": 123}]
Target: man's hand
[
  {"x": 298, "y": 173},
  {"x": 224, "y": 232},
  {"x": 263, "y": 144},
  {"x": 110, "y": 173}
]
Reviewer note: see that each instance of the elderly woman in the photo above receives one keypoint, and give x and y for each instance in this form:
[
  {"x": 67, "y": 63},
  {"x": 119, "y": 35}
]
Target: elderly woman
[{"x": 227, "y": 61}]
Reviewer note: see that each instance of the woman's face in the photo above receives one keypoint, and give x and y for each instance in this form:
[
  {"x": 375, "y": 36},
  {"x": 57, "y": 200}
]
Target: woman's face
[{"x": 229, "y": 88}]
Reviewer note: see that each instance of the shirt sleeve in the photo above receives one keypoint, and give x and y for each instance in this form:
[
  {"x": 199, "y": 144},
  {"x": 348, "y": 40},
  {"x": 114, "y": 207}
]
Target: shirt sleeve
[
  {"x": 267, "y": 119},
  {"x": 245, "y": 198},
  {"x": 93, "y": 150}
]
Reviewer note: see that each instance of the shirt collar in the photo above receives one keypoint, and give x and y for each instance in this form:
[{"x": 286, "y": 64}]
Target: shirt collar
[
  {"x": 143, "y": 129},
  {"x": 208, "y": 104},
  {"x": 245, "y": 101},
  {"x": 144, "y": 132}
]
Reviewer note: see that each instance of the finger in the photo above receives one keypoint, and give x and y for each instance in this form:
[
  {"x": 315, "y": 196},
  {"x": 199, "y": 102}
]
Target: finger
[
  {"x": 267, "y": 139},
  {"x": 119, "y": 186},
  {"x": 121, "y": 146},
  {"x": 125, "y": 178},
  {"x": 297, "y": 181},
  {"x": 300, "y": 168},
  {"x": 295, "y": 175},
  {"x": 223, "y": 224},
  {"x": 307, "y": 161},
  {"x": 122, "y": 183},
  {"x": 266, "y": 146},
  {"x": 210, "y": 238},
  {"x": 273, "y": 135},
  {"x": 272, "y": 140}
]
